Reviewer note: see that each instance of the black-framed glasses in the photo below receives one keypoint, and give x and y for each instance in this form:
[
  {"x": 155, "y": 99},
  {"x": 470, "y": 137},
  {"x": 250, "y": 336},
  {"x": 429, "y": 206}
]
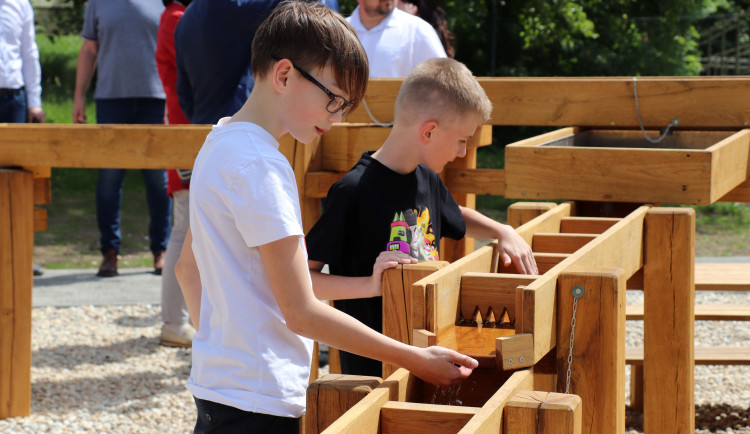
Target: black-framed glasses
[{"x": 336, "y": 103}]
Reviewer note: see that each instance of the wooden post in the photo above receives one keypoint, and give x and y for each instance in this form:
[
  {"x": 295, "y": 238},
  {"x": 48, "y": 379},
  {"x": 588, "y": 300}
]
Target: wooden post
[
  {"x": 16, "y": 280},
  {"x": 397, "y": 297},
  {"x": 452, "y": 250},
  {"x": 331, "y": 396},
  {"x": 668, "y": 320},
  {"x": 598, "y": 366},
  {"x": 521, "y": 212},
  {"x": 306, "y": 158},
  {"x": 543, "y": 413}
]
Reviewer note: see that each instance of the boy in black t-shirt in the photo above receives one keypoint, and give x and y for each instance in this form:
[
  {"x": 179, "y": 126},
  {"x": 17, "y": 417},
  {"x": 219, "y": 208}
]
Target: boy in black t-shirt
[{"x": 392, "y": 207}]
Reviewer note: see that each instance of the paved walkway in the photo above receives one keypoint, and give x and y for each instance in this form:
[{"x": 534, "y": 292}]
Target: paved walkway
[{"x": 73, "y": 287}]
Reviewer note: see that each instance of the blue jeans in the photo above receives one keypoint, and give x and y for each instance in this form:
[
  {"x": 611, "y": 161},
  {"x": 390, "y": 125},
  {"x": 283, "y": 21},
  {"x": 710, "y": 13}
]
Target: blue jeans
[
  {"x": 109, "y": 187},
  {"x": 13, "y": 106}
]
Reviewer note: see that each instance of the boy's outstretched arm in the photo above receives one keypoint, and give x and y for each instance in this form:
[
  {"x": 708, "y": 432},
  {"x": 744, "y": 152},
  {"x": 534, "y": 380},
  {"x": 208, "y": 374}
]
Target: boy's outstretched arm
[
  {"x": 186, "y": 271},
  {"x": 513, "y": 248},
  {"x": 333, "y": 287},
  {"x": 284, "y": 261}
]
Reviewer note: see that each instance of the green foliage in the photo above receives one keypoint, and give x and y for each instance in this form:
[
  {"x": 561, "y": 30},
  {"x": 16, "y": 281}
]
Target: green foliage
[
  {"x": 723, "y": 216},
  {"x": 65, "y": 18}
]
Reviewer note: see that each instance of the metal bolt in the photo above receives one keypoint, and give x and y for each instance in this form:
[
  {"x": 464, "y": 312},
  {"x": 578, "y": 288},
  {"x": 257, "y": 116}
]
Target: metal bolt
[
  {"x": 510, "y": 361},
  {"x": 520, "y": 359}
]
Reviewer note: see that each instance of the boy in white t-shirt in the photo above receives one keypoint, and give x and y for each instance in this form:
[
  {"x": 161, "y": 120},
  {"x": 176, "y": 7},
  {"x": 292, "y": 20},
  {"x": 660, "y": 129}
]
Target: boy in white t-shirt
[{"x": 243, "y": 268}]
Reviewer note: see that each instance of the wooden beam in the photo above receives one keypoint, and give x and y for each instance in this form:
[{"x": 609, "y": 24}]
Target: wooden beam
[
  {"x": 475, "y": 181},
  {"x": 730, "y": 164},
  {"x": 597, "y": 371},
  {"x": 452, "y": 250},
  {"x": 522, "y": 212},
  {"x": 669, "y": 300},
  {"x": 559, "y": 242},
  {"x": 489, "y": 419},
  {"x": 722, "y": 277},
  {"x": 586, "y": 225},
  {"x": 547, "y": 222},
  {"x": 317, "y": 184},
  {"x": 491, "y": 290},
  {"x": 332, "y": 395},
  {"x": 698, "y": 102},
  {"x": 543, "y": 413},
  {"x": 363, "y": 417},
  {"x": 741, "y": 193},
  {"x": 410, "y": 417},
  {"x": 16, "y": 278}
]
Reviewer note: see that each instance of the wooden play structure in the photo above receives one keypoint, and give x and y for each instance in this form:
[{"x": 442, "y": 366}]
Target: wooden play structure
[{"x": 612, "y": 237}]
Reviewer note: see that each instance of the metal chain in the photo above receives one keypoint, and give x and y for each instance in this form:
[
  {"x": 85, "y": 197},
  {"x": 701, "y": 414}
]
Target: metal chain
[
  {"x": 375, "y": 121},
  {"x": 675, "y": 122},
  {"x": 577, "y": 293}
]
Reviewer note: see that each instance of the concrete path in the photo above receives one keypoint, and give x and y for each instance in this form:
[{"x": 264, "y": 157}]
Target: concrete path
[{"x": 73, "y": 287}]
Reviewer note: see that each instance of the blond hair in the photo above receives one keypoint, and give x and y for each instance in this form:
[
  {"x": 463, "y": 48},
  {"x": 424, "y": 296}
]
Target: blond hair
[
  {"x": 441, "y": 88},
  {"x": 312, "y": 36}
]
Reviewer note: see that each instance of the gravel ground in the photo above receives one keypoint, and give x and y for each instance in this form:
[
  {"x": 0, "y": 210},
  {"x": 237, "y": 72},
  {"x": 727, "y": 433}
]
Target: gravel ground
[{"x": 101, "y": 369}]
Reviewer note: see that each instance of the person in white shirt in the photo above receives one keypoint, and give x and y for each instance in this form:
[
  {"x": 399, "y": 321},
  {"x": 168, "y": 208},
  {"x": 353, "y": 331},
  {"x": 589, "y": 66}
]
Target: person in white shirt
[
  {"x": 395, "y": 41},
  {"x": 20, "y": 72}
]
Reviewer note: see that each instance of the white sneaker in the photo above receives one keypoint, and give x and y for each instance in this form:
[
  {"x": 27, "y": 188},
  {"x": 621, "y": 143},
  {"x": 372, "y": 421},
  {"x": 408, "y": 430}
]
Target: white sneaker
[{"x": 177, "y": 335}]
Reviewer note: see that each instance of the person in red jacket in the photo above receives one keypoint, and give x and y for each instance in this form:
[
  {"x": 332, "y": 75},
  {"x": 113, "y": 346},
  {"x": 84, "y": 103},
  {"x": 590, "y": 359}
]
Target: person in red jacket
[{"x": 176, "y": 330}]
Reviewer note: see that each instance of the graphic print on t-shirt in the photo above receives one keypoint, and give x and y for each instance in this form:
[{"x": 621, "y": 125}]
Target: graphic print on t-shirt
[{"x": 411, "y": 233}]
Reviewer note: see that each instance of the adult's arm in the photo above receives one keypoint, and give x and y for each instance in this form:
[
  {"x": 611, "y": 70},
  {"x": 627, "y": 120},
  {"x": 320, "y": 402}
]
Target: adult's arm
[
  {"x": 84, "y": 73},
  {"x": 287, "y": 270},
  {"x": 186, "y": 270}
]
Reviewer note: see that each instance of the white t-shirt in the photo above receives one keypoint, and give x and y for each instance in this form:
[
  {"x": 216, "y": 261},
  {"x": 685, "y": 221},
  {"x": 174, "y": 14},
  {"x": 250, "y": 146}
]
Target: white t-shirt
[
  {"x": 397, "y": 44},
  {"x": 243, "y": 194}
]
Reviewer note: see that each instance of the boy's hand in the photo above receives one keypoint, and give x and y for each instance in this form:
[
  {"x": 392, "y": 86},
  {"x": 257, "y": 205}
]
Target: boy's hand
[
  {"x": 513, "y": 249},
  {"x": 384, "y": 261},
  {"x": 442, "y": 366}
]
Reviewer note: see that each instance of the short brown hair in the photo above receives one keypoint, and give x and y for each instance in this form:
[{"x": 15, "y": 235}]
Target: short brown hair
[
  {"x": 312, "y": 36},
  {"x": 441, "y": 87}
]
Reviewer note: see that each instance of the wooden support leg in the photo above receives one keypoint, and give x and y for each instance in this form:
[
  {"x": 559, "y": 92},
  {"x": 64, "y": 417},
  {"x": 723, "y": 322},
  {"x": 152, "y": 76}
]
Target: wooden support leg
[
  {"x": 636, "y": 387},
  {"x": 332, "y": 395},
  {"x": 453, "y": 250},
  {"x": 668, "y": 320},
  {"x": 16, "y": 280},
  {"x": 598, "y": 365},
  {"x": 542, "y": 413}
]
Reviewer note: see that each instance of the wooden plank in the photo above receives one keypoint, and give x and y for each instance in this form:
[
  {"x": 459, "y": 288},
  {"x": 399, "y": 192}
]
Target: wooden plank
[
  {"x": 702, "y": 312},
  {"x": 423, "y": 339},
  {"x": 16, "y": 279},
  {"x": 491, "y": 290},
  {"x": 730, "y": 164},
  {"x": 522, "y": 212},
  {"x": 602, "y": 174},
  {"x": 317, "y": 184},
  {"x": 344, "y": 144},
  {"x": 544, "y": 262},
  {"x": 586, "y": 225},
  {"x": 560, "y": 243},
  {"x": 402, "y": 385},
  {"x": 332, "y": 395},
  {"x": 40, "y": 219},
  {"x": 435, "y": 299},
  {"x": 636, "y": 384},
  {"x": 741, "y": 193},
  {"x": 698, "y": 102},
  {"x": 42, "y": 191},
  {"x": 547, "y": 222},
  {"x": 396, "y": 286},
  {"x": 489, "y": 418},
  {"x": 702, "y": 356},
  {"x": 597, "y": 371},
  {"x": 533, "y": 412},
  {"x": 722, "y": 277},
  {"x": 619, "y": 246},
  {"x": 363, "y": 417},
  {"x": 452, "y": 250},
  {"x": 307, "y": 157},
  {"x": 514, "y": 352},
  {"x": 669, "y": 300},
  {"x": 410, "y": 417},
  {"x": 475, "y": 181}
]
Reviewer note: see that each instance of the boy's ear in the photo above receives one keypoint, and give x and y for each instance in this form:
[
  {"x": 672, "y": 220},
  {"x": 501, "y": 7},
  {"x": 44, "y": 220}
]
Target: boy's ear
[
  {"x": 426, "y": 131},
  {"x": 280, "y": 74}
]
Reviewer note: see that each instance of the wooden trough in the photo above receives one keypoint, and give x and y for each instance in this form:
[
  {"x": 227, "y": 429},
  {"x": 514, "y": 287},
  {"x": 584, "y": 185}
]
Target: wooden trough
[{"x": 518, "y": 323}]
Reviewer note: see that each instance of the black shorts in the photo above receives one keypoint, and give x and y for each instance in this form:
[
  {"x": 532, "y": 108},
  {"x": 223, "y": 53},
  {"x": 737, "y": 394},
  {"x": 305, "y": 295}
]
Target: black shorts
[{"x": 219, "y": 418}]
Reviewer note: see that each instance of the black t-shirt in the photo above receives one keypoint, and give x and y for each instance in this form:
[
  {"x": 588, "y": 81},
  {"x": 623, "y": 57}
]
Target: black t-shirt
[{"x": 373, "y": 209}]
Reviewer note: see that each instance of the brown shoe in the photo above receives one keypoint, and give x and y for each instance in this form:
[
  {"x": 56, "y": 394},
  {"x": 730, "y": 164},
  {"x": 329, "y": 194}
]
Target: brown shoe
[
  {"x": 159, "y": 262},
  {"x": 109, "y": 265}
]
